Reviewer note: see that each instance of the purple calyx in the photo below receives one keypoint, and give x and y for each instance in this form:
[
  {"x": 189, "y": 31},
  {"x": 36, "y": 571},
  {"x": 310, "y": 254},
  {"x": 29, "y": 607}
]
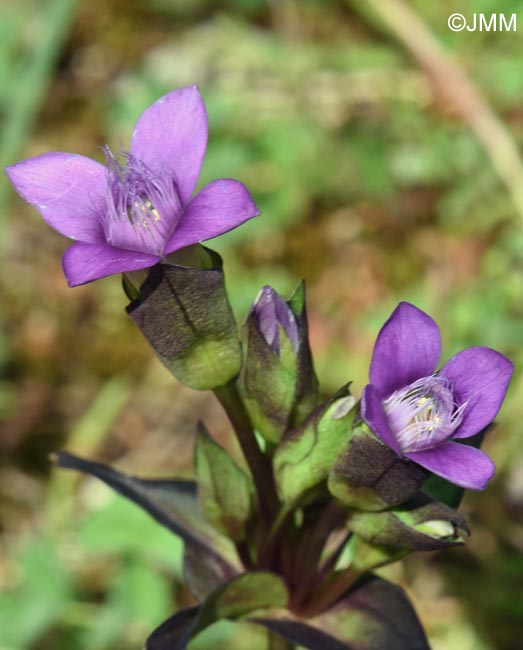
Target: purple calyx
[{"x": 423, "y": 414}]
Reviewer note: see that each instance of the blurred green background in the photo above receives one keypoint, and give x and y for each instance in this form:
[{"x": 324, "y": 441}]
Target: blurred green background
[{"x": 382, "y": 149}]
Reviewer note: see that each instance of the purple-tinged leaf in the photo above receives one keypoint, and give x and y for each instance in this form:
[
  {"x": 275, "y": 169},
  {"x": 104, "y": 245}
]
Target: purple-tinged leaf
[
  {"x": 168, "y": 634},
  {"x": 173, "y": 503},
  {"x": 203, "y": 572},
  {"x": 373, "y": 615},
  {"x": 243, "y": 595},
  {"x": 225, "y": 491}
]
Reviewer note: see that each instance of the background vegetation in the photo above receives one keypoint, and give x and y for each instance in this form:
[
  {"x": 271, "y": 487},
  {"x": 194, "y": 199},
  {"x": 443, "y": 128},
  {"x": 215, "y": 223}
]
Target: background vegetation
[{"x": 382, "y": 149}]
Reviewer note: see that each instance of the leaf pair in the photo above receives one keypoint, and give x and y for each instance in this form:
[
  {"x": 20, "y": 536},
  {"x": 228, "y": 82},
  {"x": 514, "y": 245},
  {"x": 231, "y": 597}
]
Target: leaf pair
[{"x": 373, "y": 615}]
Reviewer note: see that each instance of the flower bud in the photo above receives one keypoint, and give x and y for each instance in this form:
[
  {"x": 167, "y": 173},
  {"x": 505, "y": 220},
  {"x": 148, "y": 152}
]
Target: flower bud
[
  {"x": 277, "y": 382},
  {"x": 424, "y": 525},
  {"x": 368, "y": 475},
  {"x": 184, "y": 313}
]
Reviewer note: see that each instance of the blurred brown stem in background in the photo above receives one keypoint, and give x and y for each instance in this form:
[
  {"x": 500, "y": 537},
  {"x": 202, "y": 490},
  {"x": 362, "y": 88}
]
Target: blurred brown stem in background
[{"x": 452, "y": 84}]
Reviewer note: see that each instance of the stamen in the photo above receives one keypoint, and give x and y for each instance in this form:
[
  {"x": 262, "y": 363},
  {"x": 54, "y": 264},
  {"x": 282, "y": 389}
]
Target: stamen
[
  {"x": 424, "y": 413},
  {"x": 143, "y": 209}
]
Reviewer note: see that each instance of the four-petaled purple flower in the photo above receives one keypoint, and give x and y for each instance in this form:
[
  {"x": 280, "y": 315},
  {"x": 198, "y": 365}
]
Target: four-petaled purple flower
[
  {"x": 130, "y": 214},
  {"x": 421, "y": 413}
]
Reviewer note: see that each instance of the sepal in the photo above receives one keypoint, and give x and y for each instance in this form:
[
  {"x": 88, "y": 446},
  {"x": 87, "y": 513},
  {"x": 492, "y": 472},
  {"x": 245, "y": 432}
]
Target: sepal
[
  {"x": 305, "y": 455},
  {"x": 225, "y": 492},
  {"x": 184, "y": 314},
  {"x": 370, "y": 476}
]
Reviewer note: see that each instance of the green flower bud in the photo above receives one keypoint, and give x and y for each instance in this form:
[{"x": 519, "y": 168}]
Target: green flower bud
[
  {"x": 424, "y": 525},
  {"x": 277, "y": 382}
]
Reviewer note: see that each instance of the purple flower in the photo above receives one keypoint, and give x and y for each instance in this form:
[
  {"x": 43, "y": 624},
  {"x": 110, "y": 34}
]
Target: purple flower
[
  {"x": 272, "y": 312},
  {"x": 131, "y": 213},
  {"x": 421, "y": 413}
]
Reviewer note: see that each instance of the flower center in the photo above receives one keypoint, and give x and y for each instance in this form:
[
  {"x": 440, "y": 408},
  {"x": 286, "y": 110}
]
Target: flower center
[
  {"x": 143, "y": 208},
  {"x": 423, "y": 414}
]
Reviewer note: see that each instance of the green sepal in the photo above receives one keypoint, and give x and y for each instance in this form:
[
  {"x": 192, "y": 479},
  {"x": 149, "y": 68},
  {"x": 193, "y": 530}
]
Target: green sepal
[
  {"x": 307, "y": 386},
  {"x": 422, "y": 526},
  {"x": 305, "y": 455},
  {"x": 225, "y": 492},
  {"x": 370, "y": 476},
  {"x": 267, "y": 382},
  {"x": 184, "y": 313}
]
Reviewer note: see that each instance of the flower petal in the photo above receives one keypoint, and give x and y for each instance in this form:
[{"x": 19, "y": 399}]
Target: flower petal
[
  {"x": 407, "y": 348},
  {"x": 171, "y": 136},
  {"x": 460, "y": 464},
  {"x": 87, "y": 262},
  {"x": 67, "y": 189},
  {"x": 373, "y": 414},
  {"x": 480, "y": 377},
  {"x": 217, "y": 208}
]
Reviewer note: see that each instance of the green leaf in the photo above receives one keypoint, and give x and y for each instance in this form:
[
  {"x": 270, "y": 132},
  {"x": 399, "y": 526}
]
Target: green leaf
[
  {"x": 373, "y": 615},
  {"x": 243, "y": 595},
  {"x": 225, "y": 492},
  {"x": 185, "y": 315},
  {"x": 371, "y": 476},
  {"x": 305, "y": 455},
  {"x": 173, "y": 503}
]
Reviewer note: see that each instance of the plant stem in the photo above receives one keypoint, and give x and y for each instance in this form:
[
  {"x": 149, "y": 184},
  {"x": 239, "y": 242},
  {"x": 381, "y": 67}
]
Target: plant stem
[
  {"x": 329, "y": 592},
  {"x": 268, "y": 550},
  {"x": 314, "y": 536},
  {"x": 259, "y": 464}
]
